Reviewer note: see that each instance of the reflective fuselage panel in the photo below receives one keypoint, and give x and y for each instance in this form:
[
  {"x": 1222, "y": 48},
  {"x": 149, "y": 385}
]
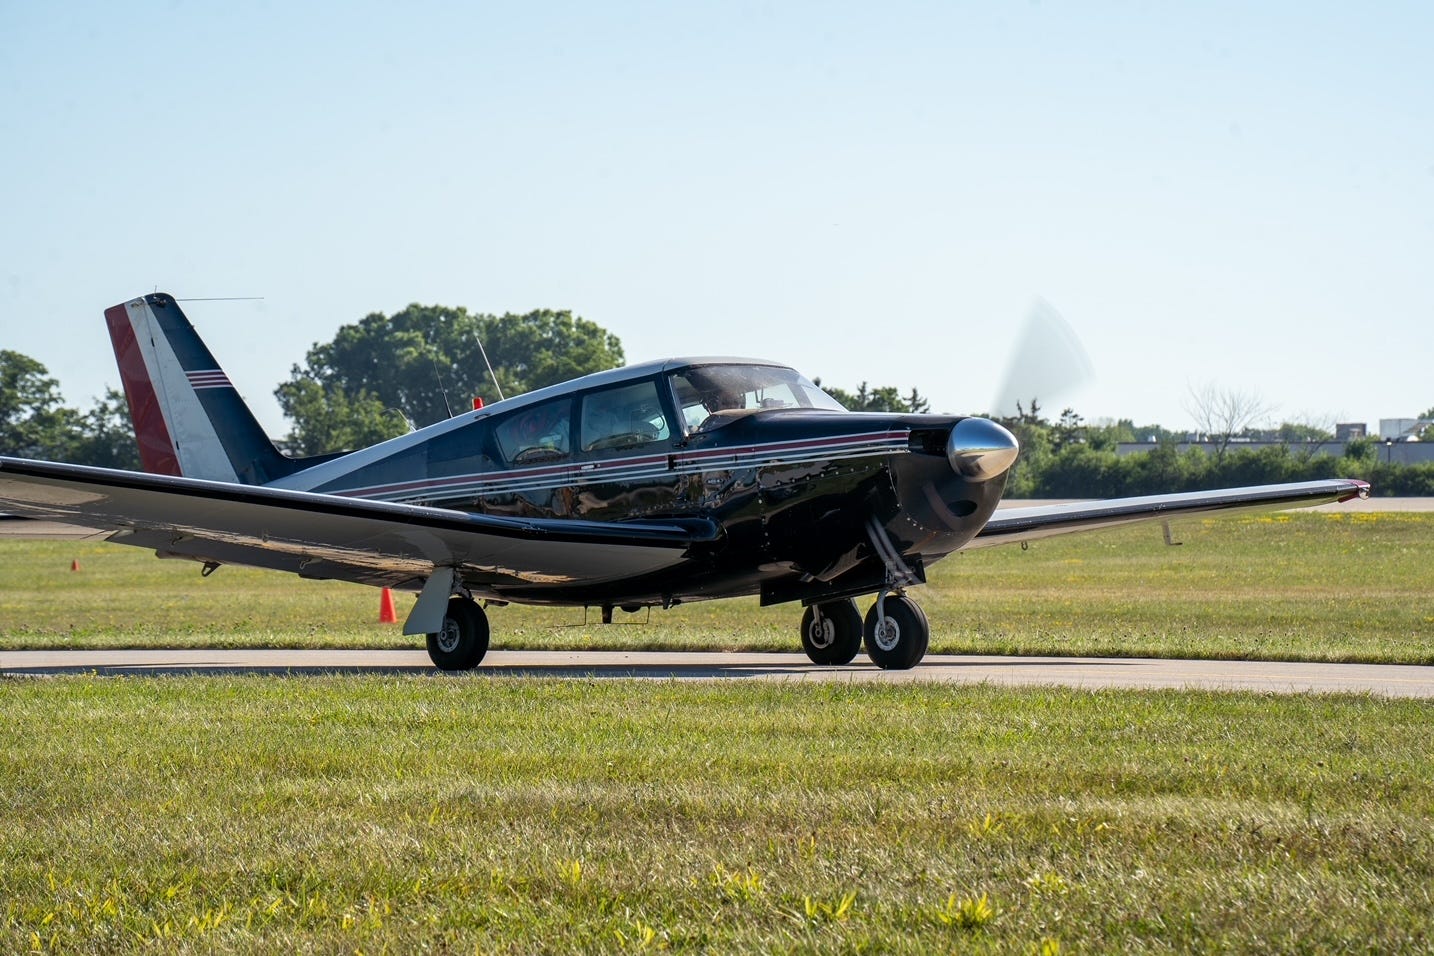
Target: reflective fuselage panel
[{"x": 814, "y": 502}]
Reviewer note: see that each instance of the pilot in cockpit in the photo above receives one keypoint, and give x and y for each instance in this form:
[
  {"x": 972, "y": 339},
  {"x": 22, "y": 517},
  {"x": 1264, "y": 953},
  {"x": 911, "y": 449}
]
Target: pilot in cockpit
[{"x": 717, "y": 399}]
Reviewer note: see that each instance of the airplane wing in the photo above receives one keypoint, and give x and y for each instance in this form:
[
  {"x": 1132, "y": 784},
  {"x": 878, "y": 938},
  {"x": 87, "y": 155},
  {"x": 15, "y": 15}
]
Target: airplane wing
[
  {"x": 1044, "y": 521},
  {"x": 337, "y": 537},
  {"x": 13, "y": 527}
]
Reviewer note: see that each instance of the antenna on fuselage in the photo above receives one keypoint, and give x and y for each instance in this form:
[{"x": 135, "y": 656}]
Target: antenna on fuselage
[
  {"x": 433, "y": 357},
  {"x": 484, "y": 352}
]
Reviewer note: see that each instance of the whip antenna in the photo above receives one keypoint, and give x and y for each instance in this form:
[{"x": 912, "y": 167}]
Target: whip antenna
[
  {"x": 442, "y": 390},
  {"x": 484, "y": 352}
]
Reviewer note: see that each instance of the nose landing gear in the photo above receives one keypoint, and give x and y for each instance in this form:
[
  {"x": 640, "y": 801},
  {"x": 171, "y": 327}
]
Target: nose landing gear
[{"x": 896, "y": 632}]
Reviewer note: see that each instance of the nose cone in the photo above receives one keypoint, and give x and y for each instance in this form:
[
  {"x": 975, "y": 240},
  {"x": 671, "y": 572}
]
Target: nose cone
[{"x": 980, "y": 449}]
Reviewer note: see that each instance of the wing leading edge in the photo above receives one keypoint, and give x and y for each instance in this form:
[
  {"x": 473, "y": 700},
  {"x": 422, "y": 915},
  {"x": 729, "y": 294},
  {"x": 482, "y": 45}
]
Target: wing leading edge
[
  {"x": 341, "y": 538},
  {"x": 1045, "y": 521}
]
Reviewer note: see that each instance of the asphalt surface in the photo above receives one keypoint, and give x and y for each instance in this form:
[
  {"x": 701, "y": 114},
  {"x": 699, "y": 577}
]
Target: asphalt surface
[{"x": 1383, "y": 680}]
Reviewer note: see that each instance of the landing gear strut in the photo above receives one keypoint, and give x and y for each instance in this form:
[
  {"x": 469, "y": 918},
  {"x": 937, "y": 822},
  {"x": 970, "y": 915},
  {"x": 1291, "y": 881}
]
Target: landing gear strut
[
  {"x": 463, "y": 639},
  {"x": 897, "y": 634},
  {"x": 831, "y": 632}
]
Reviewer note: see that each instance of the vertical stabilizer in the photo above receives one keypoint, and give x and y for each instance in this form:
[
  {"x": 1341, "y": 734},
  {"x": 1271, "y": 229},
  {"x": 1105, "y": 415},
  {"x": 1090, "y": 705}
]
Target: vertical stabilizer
[{"x": 187, "y": 416}]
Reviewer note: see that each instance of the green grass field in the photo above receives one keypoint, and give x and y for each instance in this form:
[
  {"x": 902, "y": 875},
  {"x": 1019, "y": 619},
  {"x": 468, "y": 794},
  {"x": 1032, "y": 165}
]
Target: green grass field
[
  {"x": 1303, "y": 586},
  {"x": 439, "y": 814},
  {"x": 429, "y": 813}
]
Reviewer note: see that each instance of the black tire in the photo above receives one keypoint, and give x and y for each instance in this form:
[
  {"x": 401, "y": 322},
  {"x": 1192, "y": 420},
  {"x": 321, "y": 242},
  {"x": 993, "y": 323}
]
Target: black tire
[
  {"x": 903, "y": 644},
  {"x": 463, "y": 640},
  {"x": 835, "y": 637}
]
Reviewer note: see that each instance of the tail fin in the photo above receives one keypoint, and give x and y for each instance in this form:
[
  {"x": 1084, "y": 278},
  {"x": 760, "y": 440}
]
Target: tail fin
[{"x": 188, "y": 418}]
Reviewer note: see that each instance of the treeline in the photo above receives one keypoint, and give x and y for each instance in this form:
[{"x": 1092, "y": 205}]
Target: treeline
[
  {"x": 1080, "y": 471},
  {"x": 35, "y": 422},
  {"x": 379, "y": 376},
  {"x": 375, "y": 379},
  {"x": 385, "y": 373},
  {"x": 1068, "y": 459}
]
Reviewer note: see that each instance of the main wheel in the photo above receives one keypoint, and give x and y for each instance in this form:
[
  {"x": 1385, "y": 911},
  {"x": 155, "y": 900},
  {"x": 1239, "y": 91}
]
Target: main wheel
[
  {"x": 463, "y": 640},
  {"x": 831, "y": 632},
  {"x": 899, "y": 642}
]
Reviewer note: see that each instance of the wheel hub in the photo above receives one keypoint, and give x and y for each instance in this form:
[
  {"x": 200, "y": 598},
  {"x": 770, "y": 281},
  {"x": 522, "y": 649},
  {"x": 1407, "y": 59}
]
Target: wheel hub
[
  {"x": 887, "y": 634},
  {"x": 822, "y": 632},
  {"x": 449, "y": 636}
]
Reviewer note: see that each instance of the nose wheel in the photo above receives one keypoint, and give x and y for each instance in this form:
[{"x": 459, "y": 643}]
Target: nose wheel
[
  {"x": 897, "y": 633},
  {"x": 463, "y": 639},
  {"x": 831, "y": 632}
]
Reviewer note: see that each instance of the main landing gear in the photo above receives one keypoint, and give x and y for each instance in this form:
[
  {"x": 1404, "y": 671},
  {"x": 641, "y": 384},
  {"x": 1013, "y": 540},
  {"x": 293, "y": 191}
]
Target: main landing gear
[
  {"x": 895, "y": 630},
  {"x": 463, "y": 640}
]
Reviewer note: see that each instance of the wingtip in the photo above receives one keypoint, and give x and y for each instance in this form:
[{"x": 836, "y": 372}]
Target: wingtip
[{"x": 1361, "y": 491}]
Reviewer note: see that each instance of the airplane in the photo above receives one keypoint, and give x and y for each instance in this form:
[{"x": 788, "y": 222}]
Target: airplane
[{"x": 654, "y": 484}]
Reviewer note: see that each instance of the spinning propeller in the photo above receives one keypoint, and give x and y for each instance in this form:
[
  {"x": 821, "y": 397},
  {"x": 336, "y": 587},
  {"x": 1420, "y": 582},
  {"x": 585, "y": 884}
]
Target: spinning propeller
[{"x": 1048, "y": 362}]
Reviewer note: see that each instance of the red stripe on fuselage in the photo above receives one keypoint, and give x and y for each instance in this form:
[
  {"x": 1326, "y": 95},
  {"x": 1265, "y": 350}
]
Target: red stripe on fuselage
[{"x": 156, "y": 448}]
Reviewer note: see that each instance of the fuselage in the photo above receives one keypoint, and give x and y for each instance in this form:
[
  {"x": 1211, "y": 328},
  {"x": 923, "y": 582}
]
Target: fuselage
[{"x": 813, "y": 502}]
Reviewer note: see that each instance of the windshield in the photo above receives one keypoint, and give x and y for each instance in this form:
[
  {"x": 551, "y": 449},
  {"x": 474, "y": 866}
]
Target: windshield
[{"x": 704, "y": 391}]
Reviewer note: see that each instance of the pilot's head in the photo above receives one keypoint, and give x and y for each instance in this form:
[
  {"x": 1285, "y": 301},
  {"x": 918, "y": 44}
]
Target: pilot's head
[
  {"x": 539, "y": 422},
  {"x": 716, "y": 399}
]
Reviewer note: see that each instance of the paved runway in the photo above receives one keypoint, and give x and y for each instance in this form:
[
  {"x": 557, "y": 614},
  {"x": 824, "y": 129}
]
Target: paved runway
[{"x": 1262, "y": 676}]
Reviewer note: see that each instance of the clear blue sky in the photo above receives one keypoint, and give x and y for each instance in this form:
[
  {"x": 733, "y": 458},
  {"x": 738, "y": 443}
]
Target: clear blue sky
[{"x": 1239, "y": 194}]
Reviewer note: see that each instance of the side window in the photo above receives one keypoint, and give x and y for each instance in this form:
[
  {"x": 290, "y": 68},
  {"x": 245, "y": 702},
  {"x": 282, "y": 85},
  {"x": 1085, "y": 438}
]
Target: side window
[
  {"x": 623, "y": 417},
  {"x": 459, "y": 452},
  {"x": 536, "y": 434}
]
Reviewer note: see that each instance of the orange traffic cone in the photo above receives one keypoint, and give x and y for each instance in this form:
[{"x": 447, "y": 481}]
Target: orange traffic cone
[
  {"x": 386, "y": 613},
  {"x": 75, "y": 565}
]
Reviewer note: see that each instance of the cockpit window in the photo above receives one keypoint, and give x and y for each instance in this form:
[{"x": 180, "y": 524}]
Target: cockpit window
[
  {"x": 537, "y": 434},
  {"x": 623, "y": 417},
  {"x": 705, "y": 392}
]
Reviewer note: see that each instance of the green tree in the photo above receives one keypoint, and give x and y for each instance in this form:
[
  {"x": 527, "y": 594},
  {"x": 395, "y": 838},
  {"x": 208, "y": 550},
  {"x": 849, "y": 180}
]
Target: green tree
[
  {"x": 1297, "y": 433},
  {"x": 1069, "y": 429},
  {"x": 1033, "y": 433},
  {"x": 329, "y": 419},
  {"x": 106, "y": 434},
  {"x": 417, "y": 363},
  {"x": 34, "y": 422},
  {"x": 884, "y": 399}
]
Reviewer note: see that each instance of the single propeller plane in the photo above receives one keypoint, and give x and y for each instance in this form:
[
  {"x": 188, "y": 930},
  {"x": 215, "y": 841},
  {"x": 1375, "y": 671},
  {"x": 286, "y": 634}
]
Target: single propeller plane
[{"x": 649, "y": 485}]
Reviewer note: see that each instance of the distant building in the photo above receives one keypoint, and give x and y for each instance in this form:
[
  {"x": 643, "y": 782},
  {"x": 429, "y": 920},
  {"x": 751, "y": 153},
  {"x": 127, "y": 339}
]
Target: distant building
[
  {"x": 1347, "y": 431},
  {"x": 1396, "y": 429}
]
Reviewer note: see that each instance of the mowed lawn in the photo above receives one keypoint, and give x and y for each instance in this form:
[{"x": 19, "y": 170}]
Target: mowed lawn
[
  {"x": 1303, "y": 586},
  {"x": 472, "y": 814},
  {"x": 493, "y": 814}
]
